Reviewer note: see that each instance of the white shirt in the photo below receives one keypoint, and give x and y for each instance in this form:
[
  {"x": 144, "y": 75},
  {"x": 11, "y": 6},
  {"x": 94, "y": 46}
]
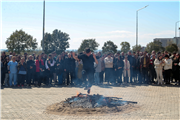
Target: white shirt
[
  {"x": 167, "y": 64},
  {"x": 108, "y": 62}
]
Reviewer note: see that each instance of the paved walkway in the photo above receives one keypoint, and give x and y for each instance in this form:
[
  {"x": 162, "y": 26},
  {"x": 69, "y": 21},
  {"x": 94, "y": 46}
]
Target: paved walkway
[{"x": 155, "y": 102}]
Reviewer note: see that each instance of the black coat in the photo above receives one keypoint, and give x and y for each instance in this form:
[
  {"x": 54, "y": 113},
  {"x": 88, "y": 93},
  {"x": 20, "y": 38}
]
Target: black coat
[
  {"x": 5, "y": 67},
  {"x": 59, "y": 67},
  {"x": 175, "y": 67},
  {"x": 30, "y": 63},
  {"x": 69, "y": 64},
  {"x": 119, "y": 63}
]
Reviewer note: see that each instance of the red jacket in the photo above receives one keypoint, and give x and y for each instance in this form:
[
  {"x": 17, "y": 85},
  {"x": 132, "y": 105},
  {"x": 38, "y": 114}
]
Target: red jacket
[{"x": 38, "y": 66}]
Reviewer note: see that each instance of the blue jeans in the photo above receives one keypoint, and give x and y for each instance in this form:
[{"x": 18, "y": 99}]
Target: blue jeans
[
  {"x": 96, "y": 77},
  {"x": 60, "y": 78},
  {"x": 12, "y": 77}
]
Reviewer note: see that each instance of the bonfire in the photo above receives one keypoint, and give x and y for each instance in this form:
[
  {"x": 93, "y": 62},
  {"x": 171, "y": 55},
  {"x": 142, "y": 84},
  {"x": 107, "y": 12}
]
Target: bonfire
[{"x": 90, "y": 104}]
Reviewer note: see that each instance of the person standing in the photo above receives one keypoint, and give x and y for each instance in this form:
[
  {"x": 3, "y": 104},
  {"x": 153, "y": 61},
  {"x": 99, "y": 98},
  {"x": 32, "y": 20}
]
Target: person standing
[
  {"x": 159, "y": 66},
  {"x": 119, "y": 65},
  {"x": 54, "y": 68},
  {"x": 145, "y": 66},
  {"x": 49, "y": 64},
  {"x": 152, "y": 69},
  {"x": 97, "y": 71},
  {"x": 167, "y": 69},
  {"x": 136, "y": 67},
  {"x": 108, "y": 61},
  {"x": 30, "y": 70},
  {"x": 69, "y": 69},
  {"x": 139, "y": 68},
  {"x": 3, "y": 67},
  {"x": 132, "y": 65},
  {"x": 59, "y": 69},
  {"x": 1, "y": 71},
  {"x": 126, "y": 71},
  {"x": 39, "y": 70},
  {"x": 176, "y": 68},
  {"x": 79, "y": 74},
  {"x": 88, "y": 60},
  {"x": 102, "y": 70},
  {"x": 12, "y": 70},
  {"x": 22, "y": 71},
  {"x": 6, "y": 82}
]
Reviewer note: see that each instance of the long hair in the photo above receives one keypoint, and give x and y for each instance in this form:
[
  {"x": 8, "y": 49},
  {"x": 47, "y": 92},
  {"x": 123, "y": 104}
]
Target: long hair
[
  {"x": 159, "y": 57},
  {"x": 37, "y": 58}
]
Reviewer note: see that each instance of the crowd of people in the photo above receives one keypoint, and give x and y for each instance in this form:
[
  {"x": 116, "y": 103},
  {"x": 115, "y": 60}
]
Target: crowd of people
[{"x": 89, "y": 68}]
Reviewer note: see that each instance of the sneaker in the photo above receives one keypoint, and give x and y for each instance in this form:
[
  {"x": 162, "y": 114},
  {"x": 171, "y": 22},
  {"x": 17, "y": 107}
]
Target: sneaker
[
  {"x": 22, "y": 85},
  {"x": 18, "y": 85}
]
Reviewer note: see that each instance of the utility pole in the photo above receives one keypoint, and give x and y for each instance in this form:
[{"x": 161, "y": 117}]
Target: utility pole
[
  {"x": 137, "y": 24},
  {"x": 43, "y": 24}
]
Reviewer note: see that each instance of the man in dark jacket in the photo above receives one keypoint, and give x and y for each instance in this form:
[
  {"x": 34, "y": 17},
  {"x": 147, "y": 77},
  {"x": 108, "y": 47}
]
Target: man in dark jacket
[
  {"x": 138, "y": 67},
  {"x": 69, "y": 68},
  {"x": 30, "y": 70},
  {"x": 119, "y": 66},
  {"x": 145, "y": 66}
]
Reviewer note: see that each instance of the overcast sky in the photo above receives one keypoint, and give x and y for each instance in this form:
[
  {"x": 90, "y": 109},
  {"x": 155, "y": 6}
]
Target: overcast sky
[{"x": 115, "y": 21}]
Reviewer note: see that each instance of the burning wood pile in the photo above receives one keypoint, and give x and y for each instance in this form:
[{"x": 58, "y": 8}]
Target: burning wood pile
[
  {"x": 90, "y": 104},
  {"x": 93, "y": 101}
]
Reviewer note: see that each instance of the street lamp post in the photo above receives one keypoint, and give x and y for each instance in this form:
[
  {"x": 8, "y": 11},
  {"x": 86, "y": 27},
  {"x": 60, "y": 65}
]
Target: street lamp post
[
  {"x": 137, "y": 24},
  {"x": 43, "y": 24},
  {"x": 176, "y": 28}
]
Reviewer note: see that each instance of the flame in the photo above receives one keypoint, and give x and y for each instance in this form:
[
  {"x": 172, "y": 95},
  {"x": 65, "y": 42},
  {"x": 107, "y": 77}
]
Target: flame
[{"x": 77, "y": 93}]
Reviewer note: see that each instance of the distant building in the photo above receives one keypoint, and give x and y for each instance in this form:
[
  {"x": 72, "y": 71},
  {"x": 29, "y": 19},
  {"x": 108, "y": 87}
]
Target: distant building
[
  {"x": 176, "y": 40},
  {"x": 164, "y": 41}
]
